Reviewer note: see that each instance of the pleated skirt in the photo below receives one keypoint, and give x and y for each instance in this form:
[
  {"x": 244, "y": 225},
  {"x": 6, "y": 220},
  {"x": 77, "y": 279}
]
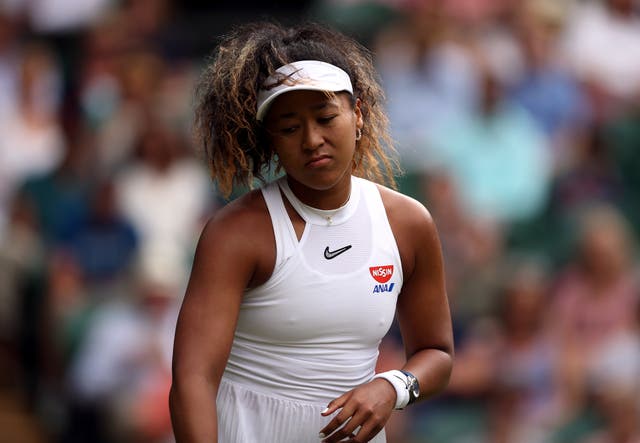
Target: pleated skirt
[{"x": 247, "y": 416}]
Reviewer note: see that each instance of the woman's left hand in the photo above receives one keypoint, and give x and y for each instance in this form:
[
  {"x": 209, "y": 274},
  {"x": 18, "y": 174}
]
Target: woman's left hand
[{"x": 367, "y": 407}]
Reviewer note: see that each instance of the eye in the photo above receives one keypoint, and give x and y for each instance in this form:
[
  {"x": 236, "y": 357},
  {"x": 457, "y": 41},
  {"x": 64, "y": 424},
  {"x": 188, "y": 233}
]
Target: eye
[
  {"x": 327, "y": 119},
  {"x": 288, "y": 130}
]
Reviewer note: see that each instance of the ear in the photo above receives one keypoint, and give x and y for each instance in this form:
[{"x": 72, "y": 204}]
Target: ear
[{"x": 358, "y": 112}]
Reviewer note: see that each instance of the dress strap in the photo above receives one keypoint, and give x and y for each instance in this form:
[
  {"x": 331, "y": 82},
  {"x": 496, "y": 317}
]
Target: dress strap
[{"x": 285, "y": 235}]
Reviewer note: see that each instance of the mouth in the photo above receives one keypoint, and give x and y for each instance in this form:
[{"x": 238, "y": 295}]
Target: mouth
[{"x": 318, "y": 161}]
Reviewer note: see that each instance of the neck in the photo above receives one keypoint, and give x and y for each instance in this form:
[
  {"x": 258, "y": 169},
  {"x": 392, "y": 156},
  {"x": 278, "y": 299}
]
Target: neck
[{"x": 325, "y": 199}]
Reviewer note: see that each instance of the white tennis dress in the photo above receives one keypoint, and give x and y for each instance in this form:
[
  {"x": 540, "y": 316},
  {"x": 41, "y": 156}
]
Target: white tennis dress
[{"x": 312, "y": 331}]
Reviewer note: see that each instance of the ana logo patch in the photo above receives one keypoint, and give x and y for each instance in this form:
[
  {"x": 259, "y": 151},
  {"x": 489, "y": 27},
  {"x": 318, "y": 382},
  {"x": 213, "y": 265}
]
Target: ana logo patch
[
  {"x": 381, "y": 274},
  {"x": 386, "y": 287}
]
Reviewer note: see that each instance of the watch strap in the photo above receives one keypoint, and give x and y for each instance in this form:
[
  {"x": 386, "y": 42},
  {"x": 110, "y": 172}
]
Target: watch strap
[{"x": 411, "y": 380}]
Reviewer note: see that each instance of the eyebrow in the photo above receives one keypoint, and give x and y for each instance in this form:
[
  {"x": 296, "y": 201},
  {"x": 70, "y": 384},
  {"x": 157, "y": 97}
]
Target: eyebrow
[{"x": 316, "y": 107}]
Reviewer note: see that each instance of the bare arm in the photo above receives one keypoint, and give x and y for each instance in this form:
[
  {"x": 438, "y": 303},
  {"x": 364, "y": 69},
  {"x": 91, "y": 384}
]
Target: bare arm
[
  {"x": 423, "y": 308},
  {"x": 227, "y": 260}
]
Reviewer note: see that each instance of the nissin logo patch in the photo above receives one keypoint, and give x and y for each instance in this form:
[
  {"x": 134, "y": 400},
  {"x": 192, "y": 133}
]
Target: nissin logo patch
[{"x": 381, "y": 274}]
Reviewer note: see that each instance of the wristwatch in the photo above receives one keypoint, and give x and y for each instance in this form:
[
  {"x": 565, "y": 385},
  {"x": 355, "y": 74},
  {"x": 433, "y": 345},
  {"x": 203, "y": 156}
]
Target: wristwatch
[
  {"x": 412, "y": 386},
  {"x": 405, "y": 385}
]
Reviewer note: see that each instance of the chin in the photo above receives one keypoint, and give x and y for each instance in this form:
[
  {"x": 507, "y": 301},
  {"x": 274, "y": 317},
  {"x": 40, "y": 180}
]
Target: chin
[{"x": 321, "y": 181}]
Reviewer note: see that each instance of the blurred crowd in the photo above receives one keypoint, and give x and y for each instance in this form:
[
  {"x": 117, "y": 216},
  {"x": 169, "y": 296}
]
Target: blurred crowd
[{"x": 517, "y": 123}]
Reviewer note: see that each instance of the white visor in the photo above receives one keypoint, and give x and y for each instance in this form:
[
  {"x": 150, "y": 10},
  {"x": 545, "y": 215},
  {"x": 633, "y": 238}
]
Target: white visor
[{"x": 309, "y": 75}]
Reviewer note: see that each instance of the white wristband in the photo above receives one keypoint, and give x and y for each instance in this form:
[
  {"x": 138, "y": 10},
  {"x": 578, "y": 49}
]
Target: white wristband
[{"x": 399, "y": 382}]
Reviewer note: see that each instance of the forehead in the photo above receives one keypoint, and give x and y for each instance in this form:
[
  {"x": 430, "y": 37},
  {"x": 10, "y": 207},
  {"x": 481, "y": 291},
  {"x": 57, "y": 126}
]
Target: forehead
[{"x": 297, "y": 102}]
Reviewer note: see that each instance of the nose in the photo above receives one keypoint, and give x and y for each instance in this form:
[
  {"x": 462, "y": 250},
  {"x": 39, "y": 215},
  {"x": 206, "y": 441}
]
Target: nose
[{"x": 312, "y": 137}]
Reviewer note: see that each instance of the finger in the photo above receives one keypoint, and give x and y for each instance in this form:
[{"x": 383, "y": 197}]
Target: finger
[
  {"x": 340, "y": 435},
  {"x": 366, "y": 432},
  {"x": 340, "y": 419},
  {"x": 334, "y": 405},
  {"x": 348, "y": 429}
]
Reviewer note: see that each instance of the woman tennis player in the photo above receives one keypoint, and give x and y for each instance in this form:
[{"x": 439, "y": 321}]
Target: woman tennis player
[{"x": 295, "y": 284}]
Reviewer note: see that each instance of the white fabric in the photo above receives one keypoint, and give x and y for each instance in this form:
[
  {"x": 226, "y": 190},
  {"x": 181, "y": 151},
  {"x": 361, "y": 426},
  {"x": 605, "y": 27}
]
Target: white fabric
[
  {"x": 399, "y": 382},
  {"x": 309, "y": 75},
  {"x": 312, "y": 331},
  {"x": 254, "y": 417}
]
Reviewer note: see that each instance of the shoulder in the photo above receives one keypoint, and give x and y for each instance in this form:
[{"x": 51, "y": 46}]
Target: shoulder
[
  {"x": 404, "y": 211},
  {"x": 237, "y": 228},
  {"x": 241, "y": 217},
  {"x": 238, "y": 240},
  {"x": 413, "y": 228}
]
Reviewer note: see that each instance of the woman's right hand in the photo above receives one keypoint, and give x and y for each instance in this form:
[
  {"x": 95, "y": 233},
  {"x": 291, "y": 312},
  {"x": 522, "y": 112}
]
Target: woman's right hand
[{"x": 363, "y": 412}]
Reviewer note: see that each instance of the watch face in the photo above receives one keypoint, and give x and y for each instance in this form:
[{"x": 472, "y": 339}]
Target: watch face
[{"x": 414, "y": 387}]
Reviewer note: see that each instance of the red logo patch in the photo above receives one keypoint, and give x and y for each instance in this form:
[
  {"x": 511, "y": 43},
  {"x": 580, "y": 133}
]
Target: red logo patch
[{"x": 381, "y": 274}]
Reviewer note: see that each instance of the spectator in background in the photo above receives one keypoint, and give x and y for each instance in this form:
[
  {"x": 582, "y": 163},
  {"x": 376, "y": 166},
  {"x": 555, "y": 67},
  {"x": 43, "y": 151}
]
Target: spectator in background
[
  {"x": 504, "y": 385},
  {"x": 53, "y": 205},
  {"x": 60, "y": 197},
  {"x": 104, "y": 243},
  {"x": 166, "y": 194},
  {"x": 21, "y": 258},
  {"x": 472, "y": 252},
  {"x": 590, "y": 175},
  {"x": 602, "y": 47},
  {"x": 121, "y": 370},
  {"x": 86, "y": 272},
  {"x": 146, "y": 21},
  {"x": 124, "y": 87},
  {"x": 615, "y": 377},
  {"x": 59, "y": 319},
  {"x": 428, "y": 75},
  {"x": 61, "y": 16},
  {"x": 32, "y": 141},
  {"x": 546, "y": 87},
  {"x": 497, "y": 157},
  {"x": 524, "y": 403},
  {"x": 98, "y": 87},
  {"x": 121, "y": 97},
  {"x": 595, "y": 300}
]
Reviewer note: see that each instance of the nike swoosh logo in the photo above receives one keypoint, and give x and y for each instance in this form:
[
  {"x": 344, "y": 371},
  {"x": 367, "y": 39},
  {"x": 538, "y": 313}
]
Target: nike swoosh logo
[{"x": 333, "y": 254}]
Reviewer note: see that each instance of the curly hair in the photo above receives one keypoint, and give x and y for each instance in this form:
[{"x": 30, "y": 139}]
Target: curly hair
[{"x": 235, "y": 142}]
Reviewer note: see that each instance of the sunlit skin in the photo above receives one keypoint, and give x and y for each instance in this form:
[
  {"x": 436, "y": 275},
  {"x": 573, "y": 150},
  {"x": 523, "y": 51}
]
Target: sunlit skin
[{"x": 314, "y": 136}]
